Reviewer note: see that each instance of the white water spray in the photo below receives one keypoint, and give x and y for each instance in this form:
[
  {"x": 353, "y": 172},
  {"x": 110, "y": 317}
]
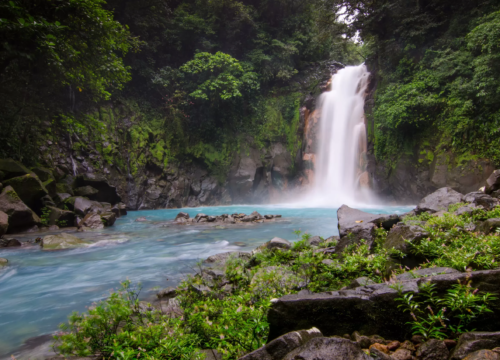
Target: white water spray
[{"x": 340, "y": 176}]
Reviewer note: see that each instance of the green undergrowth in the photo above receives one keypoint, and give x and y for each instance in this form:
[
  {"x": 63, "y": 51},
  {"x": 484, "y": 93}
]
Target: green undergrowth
[{"x": 228, "y": 312}]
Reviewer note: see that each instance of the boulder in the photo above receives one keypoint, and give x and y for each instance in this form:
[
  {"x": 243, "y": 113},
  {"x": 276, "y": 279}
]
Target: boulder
[
  {"x": 483, "y": 355},
  {"x": 108, "y": 218},
  {"x": 479, "y": 198},
  {"x": 199, "y": 217},
  {"x": 61, "y": 217},
  {"x": 7, "y": 242},
  {"x": 401, "y": 236},
  {"x": 278, "y": 243},
  {"x": 280, "y": 347},
  {"x": 21, "y": 217},
  {"x": 168, "y": 293},
  {"x": 467, "y": 209},
  {"x": 402, "y": 354},
  {"x": 439, "y": 200},
  {"x": 496, "y": 194},
  {"x": 4, "y": 223},
  {"x": 3, "y": 262},
  {"x": 43, "y": 174},
  {"x": 369, "y": 309},
  {"x": 82, "y": 206},
  {"x": 181, "y": 217},
  {"x": 362, "y": 281},
  {"x": 378, "y": 354},
  {"x": 92, "y": 221},
  {"x": 415, "y": 274},
  {"x": 433, "y": 350},
  {"x": 64, "y": 188},
  {"x": 11, "y": 168},
  {"x": 222, "y": 258},
  {"x": 284, "y": 279},
  {"x": 106, "y": 192},
  {"x": 62, "y": 241},
  {"x": 30, "y": 190},
  {"x": 492, "y": 183},
  {"x": 119, "y": 209},
  {"x": 469, "y": 343},
  {"x": 86, "y": 191},
  {"x": 315, "y": 241},
  {"x": 356, "y": 225},
  {"x": 489, "y": 226},
  {"x": 249, "y": 218},
  {"x": 322, "y": 348}
]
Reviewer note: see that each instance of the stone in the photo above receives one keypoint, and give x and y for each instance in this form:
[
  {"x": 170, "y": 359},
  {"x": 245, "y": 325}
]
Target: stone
[
  {"x": 171, "y": 308},
  {"x": 4, "y": 223},
  {"x": 414, "y": 274},
  {"x": 64, "y": 188},
  {"x": 362, "y": 281},
  {"x": 450, "y": 344},
  {"x": 43, "y": 174},
  {"x": 108, "y": 218},
  {"x": 61, "y": 217},
  {"x": 119, "y": 209},
  {"x": 433, "y": 350},
  {"x": 167, "y": 293},
  {"x": 85, "y": 191},
  {"x": 380, "y": 347},
  {"x": 3, "y": 262},
  {"x": 439, "y": 200},
  {"x": 408, "y": 345},
  {"x": 479, "y": 198},
  {"x": 11, "y": 168},
  {"x": 467, "y": 209},
  {"x": 222, "y": 258},
  {"x": 249, "y": 218},
  {"x": 492, "y": 183},
  {"x": 81, "y": 206},
  {"x": 283, "y": 345},
  {"x": 364, "y": 341},
  {"x": 474, "y": 341},
  {"x": 181, "y": 217},
  {"x": 7, "y": 242},
  {"x": 402, "y": 354},
  {"x": 141, "y": 219},
  {"x": 62, "y": 241},
  {"x": 489, "y": 226},
  {"x": 393, "y": 345},
  {"x": 199, "y": 217},
  {"x": 268, "y": 217},
  {"x": 106, "y": 192},
  {"x": 92, "y": 221},
  {"x": 355, "y": 225},
  {"x": 30, "y": 190},
  {"x": 399, "y": 236},
  {"x": 315, "y": 241},
  {"x": 322, "y": 348},
  {"x": 483, "y": 355},
  {"x": 211, "y": 354},
  {"x": 257, "y": 215},
  {"x": 377, "y": 354},
  {"x": 279, "y": 243},
  {"x": 211, "y": 218},
  {"x": 369, "y": 309},
  {"x": 21, "y": 217}
]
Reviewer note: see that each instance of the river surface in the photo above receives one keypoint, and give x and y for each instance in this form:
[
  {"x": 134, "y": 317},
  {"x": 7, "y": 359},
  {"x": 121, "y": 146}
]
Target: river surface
[{"x": 39, "y": 289}]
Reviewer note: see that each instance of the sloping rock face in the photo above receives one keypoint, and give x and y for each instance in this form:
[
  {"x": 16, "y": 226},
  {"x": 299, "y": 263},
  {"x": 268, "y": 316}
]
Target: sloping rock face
[
  {"x": 439, "y": 200},
  {"x": 10, "y": 168},
  {"x": 21, "y": 217},
  {"x": 323, "y": 348},
  {"x": 369, "y": 309},
  {"x": 30, "y": 189}
]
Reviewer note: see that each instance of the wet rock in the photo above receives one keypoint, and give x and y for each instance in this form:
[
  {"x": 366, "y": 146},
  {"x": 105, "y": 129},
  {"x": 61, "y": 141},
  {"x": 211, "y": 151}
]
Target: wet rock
[
  {"x": 141, "y": 219},
  {"x": 362, "y": 281},
  {"x": 30, "y": 190},
  {"x": 4, "y": 223},
  {"x": 399, "y": 236},
  {"x": 355, "y": 225},
  {"x": 119, "y": 209},
  {"x": 21, "y": 217},
  {"x": 92, "y": 221},
  {"x": 9, "y": 242},
  {"x": 3, "y": 262},
  {"x": 433, "y": 350},
  {"x": 474, "y": 341},
  {"x": 181, "y": 217},
  {"x": 364, "y": 341},
  {"x": 268, "y": 217},
  {"x": 249, "y": 218},
  {"x": 315, "y": 241},
  {"x": 439, "y": 200},
  {"x": 322, "y": 348},
  {"x": 200, "y": 217},
  {"x": 280, "y": 347},
  {"x": 11, "y": 168},
  {"x": 167, "y": 293},
  {"x": 278, "y": 243},
  {"x": 222, "y": 258},
  {"x": 81, "y": 206},
  {"x": 492, "y": 183},
  {"x": 479, "y": 198},
  {"x": 408, "y": 345},
  {"x": 61, "y": 217},
  {"x": 211, "y": 218},
  {"x": 489, "y": 226},
  {"x": 414, "y": 274},
  {"x": 62, "y": 241},
  {"x": 377, "y": 354},
  {"x": 86, "y": 191},
  {"x": 108, "y": 218},
  {"x": 483, "y": 355}
]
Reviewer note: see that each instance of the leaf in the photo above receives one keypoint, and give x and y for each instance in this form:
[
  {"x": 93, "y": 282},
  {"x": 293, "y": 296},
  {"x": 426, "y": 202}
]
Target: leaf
[{"x": 21, "y": 21}]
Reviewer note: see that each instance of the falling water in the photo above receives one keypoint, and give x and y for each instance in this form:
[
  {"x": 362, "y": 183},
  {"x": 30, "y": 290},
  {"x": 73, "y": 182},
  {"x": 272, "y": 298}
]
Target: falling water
[{"x": 340, "y": 176}]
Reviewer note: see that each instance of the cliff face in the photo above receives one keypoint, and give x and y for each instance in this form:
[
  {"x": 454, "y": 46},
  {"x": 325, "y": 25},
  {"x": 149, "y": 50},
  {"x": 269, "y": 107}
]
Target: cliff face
[{"x": 423, "y": 168}]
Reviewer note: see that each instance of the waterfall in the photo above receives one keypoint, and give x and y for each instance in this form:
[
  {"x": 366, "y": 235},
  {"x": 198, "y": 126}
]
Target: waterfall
[{"x": 340, "y": 174}]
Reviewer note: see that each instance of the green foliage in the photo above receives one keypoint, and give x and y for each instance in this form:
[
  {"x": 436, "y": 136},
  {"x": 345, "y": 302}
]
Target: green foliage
[
  {"x": 446, "y": 316},
  {"x": 44, "y": 218}
]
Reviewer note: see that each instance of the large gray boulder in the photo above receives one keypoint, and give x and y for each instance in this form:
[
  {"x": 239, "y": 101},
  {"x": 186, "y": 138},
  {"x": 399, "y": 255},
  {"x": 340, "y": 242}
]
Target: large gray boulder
[
  {"x": 433, "y": 350},
  {"x": 30, "y": 190},
  {"x": 439, "y": 200},
  {"x": 356, "y": 225},
  {"x": 492, "y": 183},
  {"x": 92, "y": 221},
  {"x": 222, "y": 258},
  {"x": 82, "y": 206},
  {"x": 323, "y": 348},
  {"x": 280, "y": 347},
  {"x": 479, "y": 198},
  {"x": 474, "y": 341},
  {"x": 4, "y": 223},
  {"x": 279, "y": 243},
  {"x": 400, "y": 237},
  {"x": 62, "y": 241},
  {"x": 21, "y": 217},
  {"x": 368, "y": 309}
]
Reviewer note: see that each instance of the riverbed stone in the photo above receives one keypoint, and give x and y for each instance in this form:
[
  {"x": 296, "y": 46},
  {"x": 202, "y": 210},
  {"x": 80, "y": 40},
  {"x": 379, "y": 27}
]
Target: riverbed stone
[
  {"x": 479, "y": 198},
  {"x": 9, "y": 242},
  {"x": 315, "y": 240},
  {"x": 322, "y": 348},
  {"x": 433, "y": 350},
  {"x": 62, "y": 241},
  {"x": 439, "y": 200},
  {"x": 4, "y": 223},
  {"x": 283, "y": 345},
  {"x": 470, "y": 342},
  {"x": 92, "y": 221},
  {"x": 279, "y": 243},
  {"x": 167, "y": 293},
  {"x": 21, "y": 217},
  {"x": 399, "y": 236}
]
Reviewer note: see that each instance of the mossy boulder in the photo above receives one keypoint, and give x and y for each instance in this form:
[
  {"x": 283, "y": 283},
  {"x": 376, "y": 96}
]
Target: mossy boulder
[
  {"x": 43, "y": 174},
  {"x": 30, "y": 190},
  {"x": 64, "y": 188},
  {"x": 21, "y": 217},
  {"x": 11, "y": 168},
  {"x": 62, "y": 241},
  {"x": 60, "y": 217},
  {"x": 4, "y": 223}
]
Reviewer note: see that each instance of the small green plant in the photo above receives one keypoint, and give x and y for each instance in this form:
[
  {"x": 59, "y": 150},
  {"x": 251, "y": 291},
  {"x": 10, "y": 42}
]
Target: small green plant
[
  {"x": 445, "y": 316},
  {"x": 45, "y": 217},
  {"x": 62, "y": 223}
]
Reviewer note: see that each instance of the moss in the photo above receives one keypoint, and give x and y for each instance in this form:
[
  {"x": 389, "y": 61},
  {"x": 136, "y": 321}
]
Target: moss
[{"x": 13, "y": 195}]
